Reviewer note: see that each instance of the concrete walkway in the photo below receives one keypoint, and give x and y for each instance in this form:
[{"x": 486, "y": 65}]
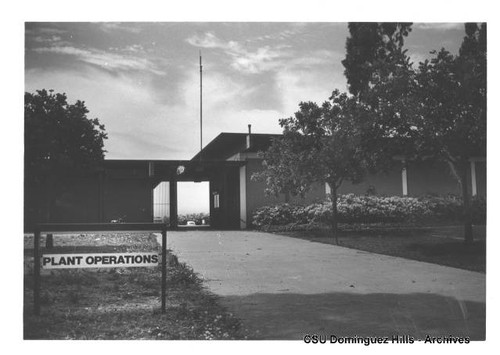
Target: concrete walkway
[{"x": 284, "y": 288}]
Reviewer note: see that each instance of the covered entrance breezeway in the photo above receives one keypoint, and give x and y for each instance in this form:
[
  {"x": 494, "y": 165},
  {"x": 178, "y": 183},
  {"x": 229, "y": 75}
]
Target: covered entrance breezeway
[{"x": 162, "y": 182}]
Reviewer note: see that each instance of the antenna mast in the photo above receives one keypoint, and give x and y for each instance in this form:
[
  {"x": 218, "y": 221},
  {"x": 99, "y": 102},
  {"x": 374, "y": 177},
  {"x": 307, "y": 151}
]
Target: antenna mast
[{"x": 201, "y": 105}]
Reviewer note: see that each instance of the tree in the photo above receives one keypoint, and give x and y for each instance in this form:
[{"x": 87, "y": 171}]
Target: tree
[
  {"x": 369, "y": 45},
  {"x": 452, "y": 119},
  {"x": 380, "y": 76},
  {"x": 436, "y": 110},
  {"x": 320, "y": 144},
  {"x": 59, "y": 141}
]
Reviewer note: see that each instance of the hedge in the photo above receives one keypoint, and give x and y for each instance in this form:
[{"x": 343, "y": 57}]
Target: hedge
[{"x": 372, "y": 209}]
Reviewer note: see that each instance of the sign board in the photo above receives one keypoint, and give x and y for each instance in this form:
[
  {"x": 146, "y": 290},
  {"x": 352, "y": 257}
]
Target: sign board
[{"x": 102, "y": 260}]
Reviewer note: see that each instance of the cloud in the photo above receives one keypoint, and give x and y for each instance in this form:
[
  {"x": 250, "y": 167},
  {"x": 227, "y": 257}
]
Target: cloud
[
  {"x": 147, "y": 116},
  {"x": 138, "y": 126},
  {"x": 209, "y": 40},
  {"x": 49, "y": 30},
  {"x": 106, "y": 60},
  {"x": 141, "y": 127},
  {"x": 260, "y": 60},
  {"x": 321, "y": 57},
  {"x": 130, "y": 145},
  {"x": 120, "y": 26},
  {"x": 51, "y": 39},
  {"x": 223, "y": 97},
  {"x": 135, "y": 48},
  {"x": 416, "y": 58},
  {"x": 265, "y": 58},
  {"x": 303, "y": 85},
  {"x": 244, "y": 60},
  {"x": 219, "y": 90},
  {"x": 44, "y": 35},
  {"x": 286, "y": 75},
  {"x": 44, "y": 30},
  {"x": 233, "y": 119},
  {"x": 439, "y": 26},
  {"x": 282, "y": 35}
]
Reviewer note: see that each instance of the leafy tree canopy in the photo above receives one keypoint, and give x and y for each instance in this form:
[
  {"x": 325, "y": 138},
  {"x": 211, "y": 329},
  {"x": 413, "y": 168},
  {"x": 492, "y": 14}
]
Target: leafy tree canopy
[
  {"x": 319, "y": 144},
  {"x": 452, "y": 120},
  {"x": 380, "y": 76},
  {"x": 59, "y": 138},
  {"x": 369, "y": 44},
  {"x": 437, "y": 109}
]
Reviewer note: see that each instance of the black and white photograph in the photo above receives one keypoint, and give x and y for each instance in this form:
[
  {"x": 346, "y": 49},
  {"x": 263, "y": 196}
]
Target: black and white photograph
[{"x": 316, "y": 181}]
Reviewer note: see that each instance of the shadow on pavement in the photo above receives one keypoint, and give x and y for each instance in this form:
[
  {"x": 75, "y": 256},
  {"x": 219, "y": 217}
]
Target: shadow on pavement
[{"x": 289, "y": 316}]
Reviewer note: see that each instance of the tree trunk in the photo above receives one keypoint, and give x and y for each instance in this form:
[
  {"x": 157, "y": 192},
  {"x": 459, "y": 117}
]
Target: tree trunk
[
  {"x": 467, "y": 215},
  {"x": 334, "y": 221}
]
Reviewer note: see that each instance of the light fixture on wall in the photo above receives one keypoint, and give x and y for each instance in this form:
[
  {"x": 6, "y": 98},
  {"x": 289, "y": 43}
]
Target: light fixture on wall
[{"x": 216, "y": 199}]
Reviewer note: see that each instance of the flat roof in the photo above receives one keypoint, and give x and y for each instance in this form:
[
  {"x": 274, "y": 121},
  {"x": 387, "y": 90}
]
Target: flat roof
[
  {"x": 213, "y": 156},
  {"x": 194, "y": 170},
  {"x": 227, "y": 144}
]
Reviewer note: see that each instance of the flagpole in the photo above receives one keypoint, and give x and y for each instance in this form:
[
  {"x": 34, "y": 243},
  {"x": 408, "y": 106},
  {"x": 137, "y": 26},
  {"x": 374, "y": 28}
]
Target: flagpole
[{"x": 201, "y": 105}]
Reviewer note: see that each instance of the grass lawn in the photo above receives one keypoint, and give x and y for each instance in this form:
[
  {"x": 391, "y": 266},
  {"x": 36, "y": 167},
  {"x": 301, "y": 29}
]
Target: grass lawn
[
  {"x": 438, "y": 245},
  {"x": 122, "y": 303}
]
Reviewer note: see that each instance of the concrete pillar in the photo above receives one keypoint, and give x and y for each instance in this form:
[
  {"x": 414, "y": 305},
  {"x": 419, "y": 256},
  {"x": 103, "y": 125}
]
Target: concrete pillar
[
  {"x": 173, "y": 203},
  {"x": 404, "y": 179},
  {"x": 243, "y": 197},
  {"x": 473, "y": 177}
]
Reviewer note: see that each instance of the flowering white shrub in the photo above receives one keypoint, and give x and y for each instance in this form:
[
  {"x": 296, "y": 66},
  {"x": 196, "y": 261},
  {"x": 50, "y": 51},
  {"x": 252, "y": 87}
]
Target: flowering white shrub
[{"x": 371, "y": 209}]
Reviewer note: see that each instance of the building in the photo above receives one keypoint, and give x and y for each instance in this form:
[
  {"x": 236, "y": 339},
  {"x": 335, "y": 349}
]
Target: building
[{"x": 124, "y": 189}]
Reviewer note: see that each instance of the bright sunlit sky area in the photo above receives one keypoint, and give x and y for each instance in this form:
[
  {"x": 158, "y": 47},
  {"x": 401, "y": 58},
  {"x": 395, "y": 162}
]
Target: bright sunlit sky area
[
  {"x": 141, "y": 79},
  {"x": 193, "y": 197}
]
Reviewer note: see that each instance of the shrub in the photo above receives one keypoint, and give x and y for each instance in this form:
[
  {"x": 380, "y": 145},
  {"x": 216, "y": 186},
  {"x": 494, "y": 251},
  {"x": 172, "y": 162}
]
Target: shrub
[
  {"x": 182, "y": 219},
  {"x": 372, "y": 209},
  {"x": 278, "y": 215}
]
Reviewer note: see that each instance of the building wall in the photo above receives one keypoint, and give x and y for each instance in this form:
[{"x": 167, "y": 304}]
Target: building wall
[
  {"x": 130, "y": 199},
  {"x": 386, "y": 184},
  {"x": 423, "y": 178},
  {"x": 256, "y": 197},
  {"x": 127, "y": 192},
  {"x": 79, "y": 203},
  {"x": 84, "y": 201},
  {"x": 431, "y": 178}
]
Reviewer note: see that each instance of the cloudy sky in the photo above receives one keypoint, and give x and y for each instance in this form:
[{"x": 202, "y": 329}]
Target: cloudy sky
[{"x": 142, "y": 79}]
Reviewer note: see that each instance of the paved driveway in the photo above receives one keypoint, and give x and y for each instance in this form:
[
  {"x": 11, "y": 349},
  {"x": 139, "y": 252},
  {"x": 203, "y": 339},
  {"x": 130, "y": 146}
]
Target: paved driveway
[{"x": 284, "y": 288}]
